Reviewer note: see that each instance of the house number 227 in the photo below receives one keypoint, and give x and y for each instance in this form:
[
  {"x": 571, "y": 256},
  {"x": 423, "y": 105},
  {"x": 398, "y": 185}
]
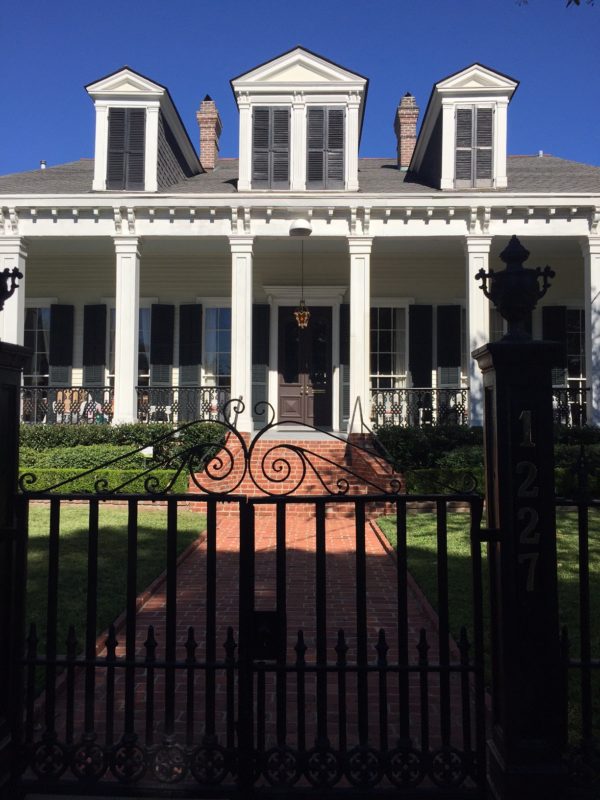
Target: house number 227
[{"x": 527, "y": 515}]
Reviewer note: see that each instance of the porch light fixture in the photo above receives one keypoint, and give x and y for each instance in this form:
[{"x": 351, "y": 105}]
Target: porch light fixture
[
  {"x": 301, "y": 228},
  {"x": 8, "y": 284}
]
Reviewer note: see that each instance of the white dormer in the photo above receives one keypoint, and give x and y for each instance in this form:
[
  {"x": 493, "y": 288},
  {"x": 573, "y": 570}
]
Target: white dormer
[
  {"x": 300, "y": 123},
  {"x": 462, "y": 142},
  {"x": 135, "y": 119}
]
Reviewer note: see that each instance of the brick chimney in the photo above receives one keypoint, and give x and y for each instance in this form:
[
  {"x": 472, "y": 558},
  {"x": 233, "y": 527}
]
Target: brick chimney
[
  {"x": 405, "y": 126},
  {"x": 210, "y": 126}
]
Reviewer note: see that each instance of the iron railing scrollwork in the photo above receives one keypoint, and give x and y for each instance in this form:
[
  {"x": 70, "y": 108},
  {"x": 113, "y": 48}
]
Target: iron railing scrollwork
[
  {"x": 570, "y": 405},
  {"x": 67, "y": 404},
  {"x": 419, "y": 407},
  {"x": 181, "y": 403}
]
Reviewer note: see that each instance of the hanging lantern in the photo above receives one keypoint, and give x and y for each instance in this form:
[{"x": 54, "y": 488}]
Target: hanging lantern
[{"x": 302, "y": 315}]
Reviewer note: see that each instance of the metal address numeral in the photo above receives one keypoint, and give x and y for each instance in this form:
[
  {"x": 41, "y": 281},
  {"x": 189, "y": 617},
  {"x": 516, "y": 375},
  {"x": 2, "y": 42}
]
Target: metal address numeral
[
  {"x": 532, "y": 558},
  {"x": 529, "y": 535},
  {"x": 526, "y": 489},
  {"x": 525, "y": 417}
]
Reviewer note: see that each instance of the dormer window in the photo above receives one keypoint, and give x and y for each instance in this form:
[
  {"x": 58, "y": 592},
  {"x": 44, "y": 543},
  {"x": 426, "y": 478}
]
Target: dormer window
[
  {"x": 271, "y": 148},
  {"x": 474, "y": 146},
  {"x": 325, "y": 148},
  {"x": 126, "y": 148}
]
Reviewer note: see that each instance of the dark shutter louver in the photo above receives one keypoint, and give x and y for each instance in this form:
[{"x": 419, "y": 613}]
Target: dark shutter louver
[
  {"x": 335, "y": 148},
  {"x": 261, "y": 315},
  {"x": 420, "y": 319},
  {"x": 260, "y": 147},
  {"x": 464, "y": 144},
  {"x": 325, "y": 148},
  {"x": 448, "y": 336},
  {"x": 484, "y": 134},
  {"x": 315, "y": 135},
  {"x": 280, "y": 148},
  {"x": 162, "y": 323},
  {"x": 61, "y": 336},
  {"x": 94, "y": 336},
  {"x": 554, "y": 329},
  {"x": 115, "y": 168},
  {"x": 344, "y": 333},
  {"x": 190, "y": 335},
  {"x": 136, "y": 139}
]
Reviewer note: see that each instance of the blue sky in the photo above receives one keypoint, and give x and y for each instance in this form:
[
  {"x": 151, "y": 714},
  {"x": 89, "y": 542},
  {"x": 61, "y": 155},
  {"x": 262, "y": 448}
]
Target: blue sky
[{"x": 49, "y": 49}]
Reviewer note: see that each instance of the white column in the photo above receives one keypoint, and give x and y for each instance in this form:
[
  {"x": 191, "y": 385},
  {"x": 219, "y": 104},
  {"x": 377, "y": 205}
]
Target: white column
[
  {"x": 241, "y": 328},
  {"x": 360, "y": 329},
  {"x": 298, "y": 146},
  {"x": 478, "y": 319},
  {"x": 448, "y": 145},
  {"x": 127, "y": 321},
  {"x": 151, "y": 162},
  {"x": 245, "y": 146},
  {"x": 100, "y": 148},
  {"x": 13, "y": 253},
  {"x": 591, "y": 261},
  {"x": 352, "y": 144}
]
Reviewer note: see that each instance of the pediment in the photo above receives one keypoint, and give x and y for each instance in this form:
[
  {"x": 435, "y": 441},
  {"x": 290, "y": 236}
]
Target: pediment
[
  {"x": 477, "y": 78},
  {"x": 125, "y": 82},
  {"x": 298, "y": 66}
]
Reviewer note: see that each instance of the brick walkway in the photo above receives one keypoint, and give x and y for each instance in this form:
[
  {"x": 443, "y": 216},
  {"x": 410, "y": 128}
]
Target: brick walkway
[{"x": 341, "y": 613}]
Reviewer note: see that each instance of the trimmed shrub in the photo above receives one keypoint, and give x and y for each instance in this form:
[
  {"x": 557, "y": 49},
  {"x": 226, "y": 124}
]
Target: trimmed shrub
[
  {"x": 413, "y": 448},
  {"x": 444, "y": 480},
  {"x": 466, "y": 457},
  {"x": 86, "y": 484},
  {"x": 82, "y": 457}
]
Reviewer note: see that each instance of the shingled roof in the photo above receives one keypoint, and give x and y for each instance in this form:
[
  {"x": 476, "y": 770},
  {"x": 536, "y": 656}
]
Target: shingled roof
[{"x": 526, "y": 174}]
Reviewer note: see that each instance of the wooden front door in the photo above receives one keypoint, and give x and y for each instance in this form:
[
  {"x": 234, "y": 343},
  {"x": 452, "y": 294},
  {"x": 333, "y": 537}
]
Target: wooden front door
[{"x": 305, "y": 368}]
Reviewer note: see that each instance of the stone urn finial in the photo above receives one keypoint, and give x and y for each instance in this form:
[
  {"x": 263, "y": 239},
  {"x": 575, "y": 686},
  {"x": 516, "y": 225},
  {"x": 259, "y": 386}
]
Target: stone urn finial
[{"x": 515, "y": 291}]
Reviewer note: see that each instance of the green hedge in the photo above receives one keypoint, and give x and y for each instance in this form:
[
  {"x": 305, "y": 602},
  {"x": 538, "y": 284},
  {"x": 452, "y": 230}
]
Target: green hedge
[
  {"x": 82, "y": 457},
  {"x": 86, "y": 484},
  {"x": 413, "y": 448},
  {"x": 435, "y": 480}
]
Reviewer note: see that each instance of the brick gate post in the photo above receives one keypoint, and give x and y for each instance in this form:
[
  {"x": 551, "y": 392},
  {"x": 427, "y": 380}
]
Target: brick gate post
[
  {"x": 528, "y": 700},
  {"x": 12, "y": 359}
]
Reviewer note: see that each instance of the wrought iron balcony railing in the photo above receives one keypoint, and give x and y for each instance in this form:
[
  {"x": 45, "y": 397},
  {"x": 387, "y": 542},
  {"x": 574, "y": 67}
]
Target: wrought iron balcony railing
[
  {"x": 180, "y": 403},
  {"x": 570, "y": 405},
  {"x": 67, "y": 404},
  {"x": 413, "y": 408}
]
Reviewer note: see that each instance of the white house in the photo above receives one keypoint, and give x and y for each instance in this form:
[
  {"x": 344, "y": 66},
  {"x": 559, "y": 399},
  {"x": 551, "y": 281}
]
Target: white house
[{"x": 159, "y": 282}]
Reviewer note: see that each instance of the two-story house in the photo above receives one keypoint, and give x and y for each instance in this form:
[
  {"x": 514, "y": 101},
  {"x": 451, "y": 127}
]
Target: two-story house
[{"x": 159, "y": 281}]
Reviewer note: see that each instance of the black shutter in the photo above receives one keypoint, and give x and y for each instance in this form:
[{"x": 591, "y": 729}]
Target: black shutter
[
  {"x": 190, "y": 335},
  {"x": 448, "y": 336},
  {"x": 162, "y": 323},
  {"x": 420, "y": 324},
  {"x": 554, "y": 329},
  {"x": 260, "y": 147},
  {"x": 335, "y": 148},
  {"x": 115, "y": 168},
  {"x": 484, "y": 134},
  {"x": 345, "y": 333},
  {"x": 261, "y": 315},
  {"x": 315, "y": 145},
  {"x": 136, "y": 138},
  {"x": 464, "y": 144},
  {"x": 61, "y": 336},
  {"x": 94, "y": 336},
  {"x": 280, "y": 148}
]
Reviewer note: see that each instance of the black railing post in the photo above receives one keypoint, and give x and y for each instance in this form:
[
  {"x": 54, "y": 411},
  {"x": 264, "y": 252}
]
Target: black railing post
[
  {"x": 12, "y": 583},
  {"x": 528, "y": 701}
]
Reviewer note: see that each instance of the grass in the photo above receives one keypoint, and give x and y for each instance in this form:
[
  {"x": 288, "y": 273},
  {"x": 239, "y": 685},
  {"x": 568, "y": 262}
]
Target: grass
[
  {"x": 422, "y": 561},
  {"x": 112, "y": 562}
]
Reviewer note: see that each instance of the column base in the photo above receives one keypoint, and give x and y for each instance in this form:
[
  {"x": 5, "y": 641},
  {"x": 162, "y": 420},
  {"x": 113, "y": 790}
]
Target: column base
[{"x": 505, "y": 781}]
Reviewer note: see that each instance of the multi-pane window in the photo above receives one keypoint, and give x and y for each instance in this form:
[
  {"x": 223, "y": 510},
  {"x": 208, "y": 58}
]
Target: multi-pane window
[
  {"x": 388, "y": 348},
  {"x": 217, "y": 347},
  {"x": 575, "y": 344},
  {"x": 37, "y": 339},
  {"x": 143, "y": 347}
]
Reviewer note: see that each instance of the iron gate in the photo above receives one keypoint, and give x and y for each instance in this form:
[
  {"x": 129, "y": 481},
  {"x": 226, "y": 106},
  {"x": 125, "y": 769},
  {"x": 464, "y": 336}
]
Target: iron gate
[{"x": 291, "y": 651}]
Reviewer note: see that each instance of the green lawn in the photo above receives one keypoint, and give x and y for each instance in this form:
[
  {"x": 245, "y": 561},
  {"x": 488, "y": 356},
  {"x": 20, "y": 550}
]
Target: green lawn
[
  {"x": 112, "y": 562},
  {"x": 422, "y": 561}
]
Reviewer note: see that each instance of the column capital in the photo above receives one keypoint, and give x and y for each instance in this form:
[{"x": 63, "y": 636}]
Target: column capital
[
  {"x": 477, "y": 244},
  {"x": 590, "y": 245},
  {"x": 360, "y": 245},
  {"x": 14, "y": 246},
  {"x": 241, "y": 244},
  {"x": 127, "y": 245}
]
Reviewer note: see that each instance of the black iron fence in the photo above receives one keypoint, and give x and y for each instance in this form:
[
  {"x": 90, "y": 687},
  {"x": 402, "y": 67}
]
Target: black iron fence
[
  {"x": 67, "y": 404},
  {"x": 181, "y": 403},
  {"x": 570, "y": 405},
  {"x": 414, "y": 408}
]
